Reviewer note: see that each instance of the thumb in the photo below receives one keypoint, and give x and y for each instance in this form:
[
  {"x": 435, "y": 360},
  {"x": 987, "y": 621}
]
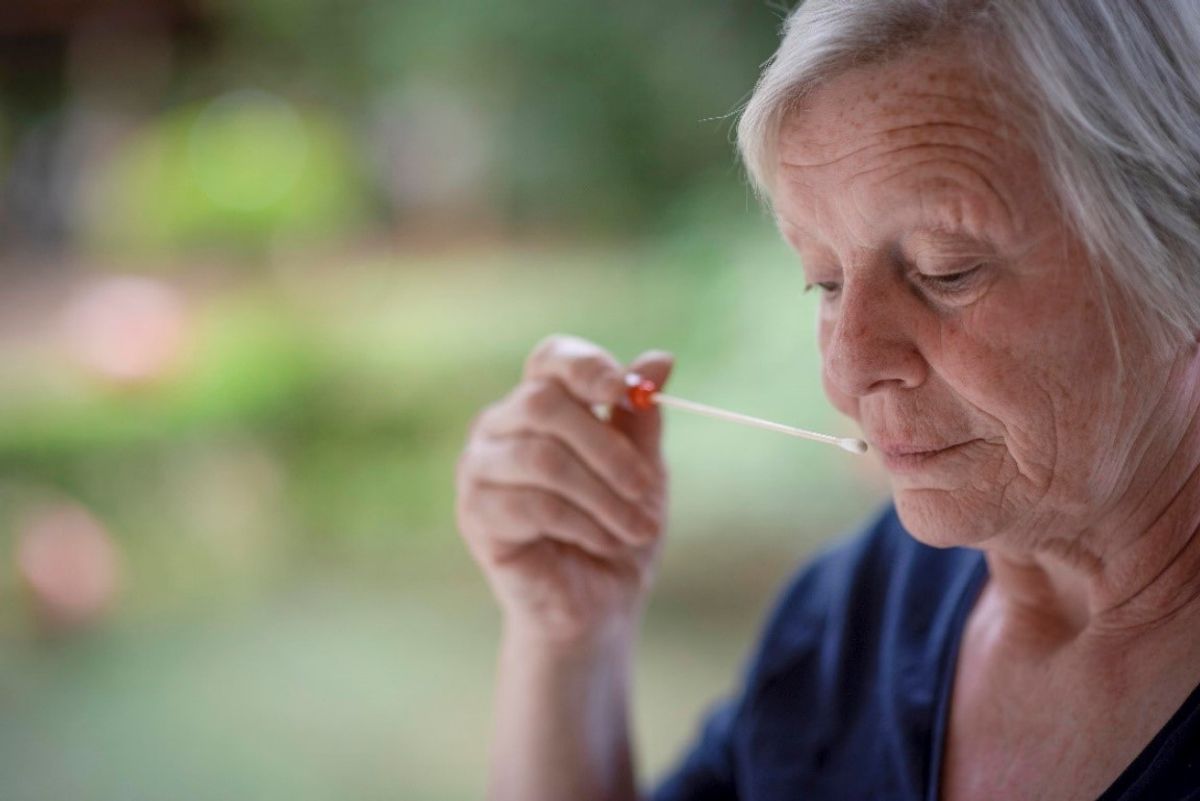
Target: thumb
[{"x": 644, "y": 427}]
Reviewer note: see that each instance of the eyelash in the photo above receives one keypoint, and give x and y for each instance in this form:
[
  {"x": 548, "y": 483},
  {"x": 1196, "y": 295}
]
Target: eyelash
[
  {"x": 949, "y": 283},
  {"x": 828, "y": 287}
]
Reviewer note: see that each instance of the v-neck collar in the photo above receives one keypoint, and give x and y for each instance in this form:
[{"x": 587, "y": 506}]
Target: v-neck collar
[{"x": 1129, "y": 777}]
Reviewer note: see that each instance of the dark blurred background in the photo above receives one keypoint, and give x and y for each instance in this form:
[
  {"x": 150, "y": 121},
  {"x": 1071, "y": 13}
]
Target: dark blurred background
[{"x": 261, "y": 261}]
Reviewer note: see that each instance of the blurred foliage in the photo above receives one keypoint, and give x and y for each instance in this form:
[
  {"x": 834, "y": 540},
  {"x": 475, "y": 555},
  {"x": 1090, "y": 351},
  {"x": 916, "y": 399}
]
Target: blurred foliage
[
  {"x": 591, "y": 114},
  {"x": 293, "y": 480},
  {"x": 271, "y": 122},
  {"x": 359, "y": 383},
  {"x": 371, "y": 211},
  {"x": 245, "y": 171}
]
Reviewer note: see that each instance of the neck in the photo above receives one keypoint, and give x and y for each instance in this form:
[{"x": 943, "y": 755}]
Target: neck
[{"x": 1133, "y": 573}]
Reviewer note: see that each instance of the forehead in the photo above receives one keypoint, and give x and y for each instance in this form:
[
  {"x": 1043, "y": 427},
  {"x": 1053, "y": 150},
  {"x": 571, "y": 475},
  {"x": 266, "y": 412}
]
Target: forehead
[{"x": 921, "y": 140}]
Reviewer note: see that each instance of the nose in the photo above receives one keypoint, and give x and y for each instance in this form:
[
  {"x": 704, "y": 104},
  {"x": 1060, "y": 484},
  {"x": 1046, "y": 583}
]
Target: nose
[{"x": 870, "y": 341}]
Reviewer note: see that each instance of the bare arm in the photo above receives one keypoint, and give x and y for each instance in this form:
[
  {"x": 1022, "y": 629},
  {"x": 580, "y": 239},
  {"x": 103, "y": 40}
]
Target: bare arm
[
  {"x": 564, "y": 514},
  {"x": 561, "y": 727}
]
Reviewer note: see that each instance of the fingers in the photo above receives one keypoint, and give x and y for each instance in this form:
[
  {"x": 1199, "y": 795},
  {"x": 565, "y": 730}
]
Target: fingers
[
  {"x": 547, "y": 464},
  {"x": 518, "y": 516},
  {"x": 587, "y": 371},
  {"x": 653, "y": 364},
  {"x": 539, "y": 465},
  {"x": 544, "y": 407},
  {"x": 644, "y": 427}
]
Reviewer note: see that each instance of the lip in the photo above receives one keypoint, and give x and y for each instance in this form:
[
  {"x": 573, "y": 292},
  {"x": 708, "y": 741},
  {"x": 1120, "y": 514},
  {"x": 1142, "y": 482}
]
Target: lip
[{"x": 907, "y": 458}]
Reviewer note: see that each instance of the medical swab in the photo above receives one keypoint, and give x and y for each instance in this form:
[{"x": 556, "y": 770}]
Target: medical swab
[{"x": 643, "y": 394}]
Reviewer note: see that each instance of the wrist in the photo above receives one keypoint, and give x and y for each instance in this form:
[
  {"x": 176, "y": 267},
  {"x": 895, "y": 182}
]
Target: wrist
[
  {"x": 615, "y": 637},
  {"x": 562, "y": 710}
]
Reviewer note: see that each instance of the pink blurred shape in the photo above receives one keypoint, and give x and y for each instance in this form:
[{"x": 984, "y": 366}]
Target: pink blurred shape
[
  {"x": 126, "y": 329},
  {"x": 69, "y": 564}
]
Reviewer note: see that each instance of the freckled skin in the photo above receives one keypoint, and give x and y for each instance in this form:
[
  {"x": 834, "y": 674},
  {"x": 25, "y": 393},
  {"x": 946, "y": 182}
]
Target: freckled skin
[
  {"x": 959, "y": 310},
  {"x": 1018, "y": 362}
]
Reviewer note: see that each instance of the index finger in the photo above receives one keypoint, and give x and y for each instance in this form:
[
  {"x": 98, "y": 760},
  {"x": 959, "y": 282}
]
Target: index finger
[{"x": 589, "y": 372}]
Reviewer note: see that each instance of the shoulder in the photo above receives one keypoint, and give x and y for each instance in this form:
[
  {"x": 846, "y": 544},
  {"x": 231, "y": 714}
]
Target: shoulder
[
  {"x": 844, "y": 675},
  {"x": 877, "y": 590}
]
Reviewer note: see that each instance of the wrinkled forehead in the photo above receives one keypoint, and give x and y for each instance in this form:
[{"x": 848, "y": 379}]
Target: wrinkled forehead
[
  {"x": 925, "y": 122},
  {"x": 922, "y": 86}
]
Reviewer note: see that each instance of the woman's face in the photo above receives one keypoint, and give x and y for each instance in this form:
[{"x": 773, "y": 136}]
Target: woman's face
[{"x": 960, "y": 322}]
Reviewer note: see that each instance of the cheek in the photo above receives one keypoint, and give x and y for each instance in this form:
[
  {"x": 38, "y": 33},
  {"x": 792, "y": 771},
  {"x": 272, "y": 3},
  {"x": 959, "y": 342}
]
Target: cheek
[
  {"x": 1040, "y": 397},
  {"x": 846, "y": 404},
  {"x": 999, "y": 387}
]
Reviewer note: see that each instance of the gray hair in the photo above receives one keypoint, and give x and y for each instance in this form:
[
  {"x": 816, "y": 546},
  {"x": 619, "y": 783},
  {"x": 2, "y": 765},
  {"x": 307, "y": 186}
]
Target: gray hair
[{"x": 1114, "y": 89}]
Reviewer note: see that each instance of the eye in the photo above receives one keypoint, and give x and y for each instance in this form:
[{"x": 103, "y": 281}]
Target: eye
[
  {"x": 949, "y": 283},
  {"x": 826, "y": 287}
]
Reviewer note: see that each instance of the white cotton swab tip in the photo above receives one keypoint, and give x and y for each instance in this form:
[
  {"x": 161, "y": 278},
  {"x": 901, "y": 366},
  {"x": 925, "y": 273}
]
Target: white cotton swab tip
[{"x": 853, "y": 445}]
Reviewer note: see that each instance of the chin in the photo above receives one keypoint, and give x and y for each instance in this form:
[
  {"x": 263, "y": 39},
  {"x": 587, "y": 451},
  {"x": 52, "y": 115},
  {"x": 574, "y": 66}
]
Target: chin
[{"x": 944, "y": 518}]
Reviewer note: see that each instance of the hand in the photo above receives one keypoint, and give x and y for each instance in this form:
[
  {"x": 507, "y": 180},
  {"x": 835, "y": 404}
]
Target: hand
[{"x": 565, "y": 512}]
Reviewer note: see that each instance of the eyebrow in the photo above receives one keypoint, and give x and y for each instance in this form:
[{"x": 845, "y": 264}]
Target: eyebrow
[
  {"x": 932, "y": 235},
  {"x": 946, "y": 235},
  {"x": 941, "y": 243},
  {"x": 796, "y": 234}
]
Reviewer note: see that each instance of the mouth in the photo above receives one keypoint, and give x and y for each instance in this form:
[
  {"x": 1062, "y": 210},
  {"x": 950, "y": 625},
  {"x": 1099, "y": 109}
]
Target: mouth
[{"x": 909, "y": 458}]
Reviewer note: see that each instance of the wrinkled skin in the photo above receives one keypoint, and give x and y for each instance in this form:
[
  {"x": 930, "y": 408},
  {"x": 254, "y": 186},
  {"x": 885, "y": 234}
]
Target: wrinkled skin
[
  {"x": 564, "y": 512},
  {"x": 959, "y": 310},
  {"x": 963, "y": 326}
]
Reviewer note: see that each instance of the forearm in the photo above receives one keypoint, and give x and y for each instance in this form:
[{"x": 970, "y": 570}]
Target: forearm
[{"x": 561, "y": 728}]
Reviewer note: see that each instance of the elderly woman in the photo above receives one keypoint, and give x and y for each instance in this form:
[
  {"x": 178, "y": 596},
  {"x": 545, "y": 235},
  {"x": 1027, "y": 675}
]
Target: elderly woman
[{"x": 1000, "y": 205}]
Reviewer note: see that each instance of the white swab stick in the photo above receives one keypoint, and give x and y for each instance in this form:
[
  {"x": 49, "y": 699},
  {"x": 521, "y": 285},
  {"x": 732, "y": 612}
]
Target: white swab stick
[
  {"x": 845, "y": 443},
  {"x": 642, "y": 393}
]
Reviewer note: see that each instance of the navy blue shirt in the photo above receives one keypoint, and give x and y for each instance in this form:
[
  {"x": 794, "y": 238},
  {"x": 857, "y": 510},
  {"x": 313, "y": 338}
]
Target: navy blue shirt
[{"x": 846, "y": 694}]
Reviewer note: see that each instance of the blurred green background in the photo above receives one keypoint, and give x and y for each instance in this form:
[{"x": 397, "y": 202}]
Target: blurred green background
[{"x": 261, "y": 264}]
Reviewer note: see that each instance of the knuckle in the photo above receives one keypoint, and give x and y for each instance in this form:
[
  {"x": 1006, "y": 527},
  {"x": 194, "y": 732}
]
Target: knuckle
[
  {"x": 517, "y": 505},
  {"x": 628, "y": 471},
  {"x": 543, "y": 351},
  {"x": 542, "y": 398},
  {"x": 636, "y": 477},
  {"x": 590, "y": 373},
  {"x": 646, "y": 524},
  {"x": 553, "y": 510},
  {"x": 547, "y": 457}
]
